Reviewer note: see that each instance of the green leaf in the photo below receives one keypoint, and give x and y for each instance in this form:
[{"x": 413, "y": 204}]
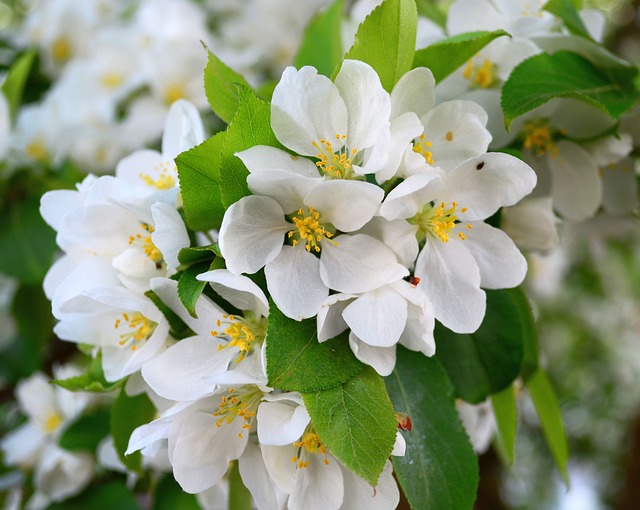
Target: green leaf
[
  {"x": 447, "y": 55},
  {"x": 322, "y": 43},
  {"x": 199, "y": 174},
  {"x": 431, "y": 11},
  {"x": 567, "y": 12},
  {"x": 128, "y": 413},
  {"x": 565, "y": 74},
  {"x": 506, "y": 413},
  {"x": 16, "y": 79},
  {"x": 386, "y": 40},
  {"x": 170, "y": 496},
  {"x": 529, "y": 332},
  {"x": 251, "y": 126},
  {"x": 548, "y": 409},
  {"x": 296, "y": 361},
  {"x": 439, "y": 469},
  {"x": 193, "y": 254},
  {"x": 178, "y": 327},
  {"x": 30, "y": 243},
  {"x": 239, "y": 495},
  {"x": 106, "y": 496},
  {"x": 220, "y": 87},
  {"x": 488, "y": 360},
  {"x": 355, "y": 420},
  {"x": 92, "y": 381},
  {"x": 190, "y": 289},
  {"x": 86, "y": 432}
]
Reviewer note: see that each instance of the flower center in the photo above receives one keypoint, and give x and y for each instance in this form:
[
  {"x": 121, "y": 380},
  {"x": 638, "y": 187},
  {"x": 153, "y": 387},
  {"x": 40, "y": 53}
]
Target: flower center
[
  {"x": 166, "y": 176},
  {"x": 422, "y": 147},
  {"x": 52, "y": 421},
  {"x": 146, "y": 243},
  {"x": 438, "y": 221},
  {"x": 538, "y": 138},
  {"x": 309, "y": 230},
  {"x": 36, "y": 150},
  {"x": 111, "y": 80},
  {"x": 244, "y": 332},
  {"x": 241, "y": 403},
  {"x": 140, "y": 329},
  {"x": 174, "y": 92},
  {"x": 335, "y": 164},
  {"x": 61, "y": 49},
  {"x": 310, "y": 444},
  {"x": 480, "y": 75}
]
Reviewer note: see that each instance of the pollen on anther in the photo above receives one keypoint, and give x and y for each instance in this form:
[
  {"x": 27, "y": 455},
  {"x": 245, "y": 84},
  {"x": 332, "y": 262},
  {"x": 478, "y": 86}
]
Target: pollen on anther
[{"x": 449, "y": 136}]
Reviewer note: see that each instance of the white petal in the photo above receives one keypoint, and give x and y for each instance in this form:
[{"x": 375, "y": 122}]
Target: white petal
[
  {"x": 252, "y": 233},
  {"x": 483, "y": 185},
  {"x": 277, "y": 459},
  {"x": 414, "y": 92},
  {"x": 177, "y": 373},
  {"x": 54, "y": 205},
  {"x": 409, "y": 197},
  {"x": 21, "y": 445},
  {"x": 368, "y": 104},
  {"x": 382, "y": 359},
  {"x": 280, "y": 424},
  {"x": 501, "y": 264},
  {"x": 170, "y": 234},
  {"x": 531, "y": 224},
  {"x": 620, "y": 188},
  {"x": 403, "y": 130},
  {"x": 329, "y": 318},
  {"x": 238, "y": 290},
  {"x": 138, "y": 164},
  {"x": 576, "y": 187},
  {"x": 306, "y": 108},
  {"x": 293, "y": 280},
  {"x": 263, "y": 157},
  {"x": 398, "y": 235},
  {"x": 182, "y": 130},
  {"x": 319, "y": 486},
  {"x": 400, "y": 446},
  {"x": 359, "y": 495},
  {"x": 358, "y": 263},
  {"x": 257, "y": 479},
  {"x": 418, "y": 333},
  {"x": 36, "y": 398},
  {"x": 450, "y": 277},
  {"x": 284, "y": 187},
  {"x": 377, "y": 317},
  {"x": 348, "y": 205},
  {"x": 148, "y": 434},
  {"x": 470, "y": 15}
]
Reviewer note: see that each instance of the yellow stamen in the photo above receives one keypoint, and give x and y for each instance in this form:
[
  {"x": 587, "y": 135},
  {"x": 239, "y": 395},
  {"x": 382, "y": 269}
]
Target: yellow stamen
[
  {"x": 438, "y": 221},
  {"x": 309, "y": 230},
  {"x": 335, "y": 164},
  {"x": 51, "y": 422},
  {"x": 539, "y": 138},
  {"x": 140, "y": 329},
  {"x": 422, "y": 147}
]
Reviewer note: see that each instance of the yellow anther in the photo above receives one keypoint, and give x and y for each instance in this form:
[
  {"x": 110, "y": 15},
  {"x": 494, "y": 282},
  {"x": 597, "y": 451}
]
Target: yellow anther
[
  {"x": 480, "y": 75},
  {"x": 334, "y": 164},
  {"x": 140, "y": 329},
  {"x": 36, "y": 150},
  {"x": 309, "y": 230},
  {"x": 539, "y": 138},
  {"x": 422, "y": 148},
  {"x": 166, "y": 176},
  {"x": 61, "y": 50},
  {"x": 437, "y": 221},
  {"x": 51, "y": 422},
  {"x": 448, "y": 136}
]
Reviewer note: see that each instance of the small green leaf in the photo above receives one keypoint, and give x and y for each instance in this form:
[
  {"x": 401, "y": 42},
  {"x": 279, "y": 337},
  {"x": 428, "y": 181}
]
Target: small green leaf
[
  {"x": 220, "y": 88},
  {"x": 506, "y": 413},
  {"x": 529, "y": 333},
  {"x": 444, "y": 57},
  {"x": 178, "y": 327},
  {"x": 543, "y": 77},
  {"x": 190, "y": 289},
  {"x": 30, "y": 243},
  {"x": 128, "y": 413},
  {"x": 439, "y": 469},
  {"x": 386, "y": 40},
  {"x": 193, "y": 254},
  {"x": 251, "y": 126},
  {"x": 92, "y": 381},
  {"x": 548, "y": 409},
  {"x": 170, "y": 496},
  {"x": 355, "y": 420},
  {"x": 86, "y": 432},
  {"x": 296, "y": 361},
  {"x": 488, "y": 360},
  {"x": 16, "y": 79},
  {"x": 322, "y": 43},
  {"x": 199, "y": 173},
  {"x": 567, "y": 12},
  {"x": 106, "y": 496}
]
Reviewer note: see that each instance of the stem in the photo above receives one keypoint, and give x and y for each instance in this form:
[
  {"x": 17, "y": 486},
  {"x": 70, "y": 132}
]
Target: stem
[{"x": 239, "y": 495}]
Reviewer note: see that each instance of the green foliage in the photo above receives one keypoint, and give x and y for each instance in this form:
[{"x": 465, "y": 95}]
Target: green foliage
[
  {"x": 239, "y": 495},
  {"x": 220, "y": 87},
  {"x": 543, "y": 77},
  {"x": 190, "y": 289},
  {"x": 193, "y": 254},
  {"x": 86, "y": 432},
  {"x": 567, "y": 12},
  {"x": 355, "y": 420},
  {"x": 178, "y": 327},
  {"x": 444, "y": 57},
  {"x": 106, "y": 496},
  {"x": 548, "y": 409},
  {"x": 251, "y": 126},
  {"x": 321, "y": 46},
  {"x": 488, "y": 360},
  {"x": 386, "y": 40},
  {"x": 529, "y": 333},
  {"x": 170, "y": 496},
  {"x": 439, "y": 469},
  {"x": 92, "y": 381},
  {"x": 199, "y": 174},
  {"x": 504, "y": 408},
  {"x": 16, "y": 79},
  {"x": 30, "y": 243},
  {"x": 128, "y": 413},
  {"x": 296, "y": 361}
]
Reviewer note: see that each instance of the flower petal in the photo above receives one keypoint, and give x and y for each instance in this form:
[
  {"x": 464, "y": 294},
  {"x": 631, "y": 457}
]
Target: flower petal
[
  {"x": 359, "y": 495},
  {"x": 257, "y": 478},
  {"x": 170, "y": 234},
  {"x": 284, "y": 187},
  {"x": 381, "y": 359},
  {"x": 329, "y": 318},
  {"x": 182, "y": 130},
  {"x": 318, "y": 486},
  {"x": 414, "y": 92},
  {"x": 280, "y": 423},
  {"x": 263, "y": 157},
  {"x": 238, "y": 290}
]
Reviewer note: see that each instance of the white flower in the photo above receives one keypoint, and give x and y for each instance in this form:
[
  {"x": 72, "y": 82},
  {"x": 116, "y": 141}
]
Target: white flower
[
  {"x": 479, "y": 423},
  {"x": 461, "y": 253},
  {"x": 531, "y": 224}
]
